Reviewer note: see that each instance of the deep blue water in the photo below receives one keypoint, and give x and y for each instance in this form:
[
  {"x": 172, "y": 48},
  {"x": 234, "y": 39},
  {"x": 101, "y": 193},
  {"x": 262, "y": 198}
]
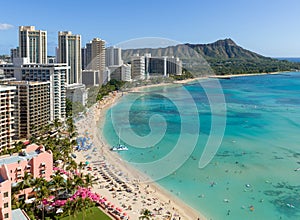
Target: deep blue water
[
  {"x": 291, "y": 59},
  {"x": 255, "y": 162}
]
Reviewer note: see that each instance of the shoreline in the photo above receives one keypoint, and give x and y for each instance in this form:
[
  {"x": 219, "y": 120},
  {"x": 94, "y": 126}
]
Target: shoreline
[
  {"x": 93, "y": 124},
  {"x": 145, "y": 195},
  {"x": 245, "y": 74},
  {"x": 185, "y": 81}
]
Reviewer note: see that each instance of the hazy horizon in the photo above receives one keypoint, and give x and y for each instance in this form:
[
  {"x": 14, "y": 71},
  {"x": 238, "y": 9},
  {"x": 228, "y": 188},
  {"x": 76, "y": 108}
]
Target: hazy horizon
[{"x": 265, "y": 27}]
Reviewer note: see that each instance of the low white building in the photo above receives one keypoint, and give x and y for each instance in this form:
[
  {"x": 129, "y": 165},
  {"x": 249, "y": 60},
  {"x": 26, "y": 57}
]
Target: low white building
[
  {"x": 122, "y": 72},
  {"x": 77, "y": 93},
  {"x": 90, "y": 78},
  {"x": 137, "y": 67}
]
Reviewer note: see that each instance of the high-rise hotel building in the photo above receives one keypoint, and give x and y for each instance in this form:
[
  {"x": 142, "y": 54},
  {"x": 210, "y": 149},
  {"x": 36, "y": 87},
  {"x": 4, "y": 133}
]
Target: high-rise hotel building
[
  {"x": 69, "y": 52},
  {"x": 98, "y": 57},
  {"x": 113, "y": 56},
  {"x": 6, "y": 116},
  {"x": 33, "y": 44},
  {"x": 54, "y": 73},
  {"x": 138, "y": 67},
  {"x": 94, "y": 59},
  {"x": 31, "y": 107}
]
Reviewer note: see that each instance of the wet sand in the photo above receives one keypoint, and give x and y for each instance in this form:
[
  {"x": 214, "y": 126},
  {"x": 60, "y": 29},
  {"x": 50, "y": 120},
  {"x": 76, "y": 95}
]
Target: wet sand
[
  {"x": 113, "y": 173},
  {"x": 109, "y": 168}
]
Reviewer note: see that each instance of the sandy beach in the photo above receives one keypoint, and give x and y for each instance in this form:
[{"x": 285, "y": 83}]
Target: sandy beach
[
  {"x": 244, "y": 74},
  {"x": 120, "y": 183}
]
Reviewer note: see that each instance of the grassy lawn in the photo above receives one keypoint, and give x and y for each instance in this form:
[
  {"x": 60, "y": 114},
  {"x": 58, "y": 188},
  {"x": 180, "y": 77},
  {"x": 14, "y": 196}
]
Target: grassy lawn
[{"x": 95, "y": 215}]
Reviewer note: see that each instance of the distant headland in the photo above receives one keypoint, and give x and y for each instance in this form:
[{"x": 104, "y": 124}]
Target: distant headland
[{"x": 223, "y": 56}]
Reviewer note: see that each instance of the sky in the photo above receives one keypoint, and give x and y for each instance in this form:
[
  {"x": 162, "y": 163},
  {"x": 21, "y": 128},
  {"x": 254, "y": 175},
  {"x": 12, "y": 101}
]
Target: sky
[{"x": 267, "y": 27}]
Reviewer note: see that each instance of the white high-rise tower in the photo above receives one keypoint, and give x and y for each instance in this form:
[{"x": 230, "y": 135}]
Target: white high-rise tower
[
  {"x": 33, "y": 44},
  {"x": 69, "y": 52}
]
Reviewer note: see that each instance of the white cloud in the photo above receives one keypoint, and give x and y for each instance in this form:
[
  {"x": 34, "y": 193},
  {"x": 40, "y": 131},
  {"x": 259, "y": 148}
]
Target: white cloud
[{"x": 5, "y": 26}]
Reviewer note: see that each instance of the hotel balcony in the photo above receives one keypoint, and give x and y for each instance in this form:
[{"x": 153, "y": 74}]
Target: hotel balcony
[{"x": 43, "y": 165}]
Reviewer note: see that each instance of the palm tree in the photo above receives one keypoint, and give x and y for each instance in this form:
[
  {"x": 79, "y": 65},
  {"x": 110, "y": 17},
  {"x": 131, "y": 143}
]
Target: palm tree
[
  {"x": 4, "y": 151},
  {"x": 81, "y": 165},
  {"x": 57, "y": 182},
  {"x": 86, "y": 205},
  {"x": 78, "y": 180},
  {"x": 89, "y": 180},
  {"x": 71, "y": 128},
  {"x": 76, "y": 206},
  {"x": 145, "y": 214},
  {"x": 17, "y": 147},
  {"x": 70, "y": 185},
  {"x": 42, "y": 190},
  {"x": 33, "y": 138},
  {"x": 57, "y": 124},
  {"x": 28, "y": 180},
  {"x": 41, "y": 187},
  {"x": 68, "y": 209},
  {"x": 72, "y": 166},
  {"x": 25, "y": 183}
]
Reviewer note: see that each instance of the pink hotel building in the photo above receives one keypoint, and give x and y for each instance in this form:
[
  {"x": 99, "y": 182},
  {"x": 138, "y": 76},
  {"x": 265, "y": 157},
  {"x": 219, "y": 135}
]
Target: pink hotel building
[{"x": 34, "y": 160}]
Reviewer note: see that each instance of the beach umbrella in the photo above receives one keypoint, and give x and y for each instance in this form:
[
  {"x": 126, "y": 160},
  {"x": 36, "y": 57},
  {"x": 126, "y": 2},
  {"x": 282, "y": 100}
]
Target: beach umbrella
[
  {"x": 29, "y": 201},
  {"x": 50, "y": 198},
  {"x": 49, "y": 208},
  {"x": 59, "y": 211}
]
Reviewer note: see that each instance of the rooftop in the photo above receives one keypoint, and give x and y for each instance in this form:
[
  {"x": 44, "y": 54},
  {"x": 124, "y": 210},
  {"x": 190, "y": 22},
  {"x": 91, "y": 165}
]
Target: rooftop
[
  {"x": 6, "y": 88},
  {"x": 1, "y": 179},
  {"x": 27, "y": 82},
  {"x": 15, "y": 158},
  {"x": 17, "y": 214}
]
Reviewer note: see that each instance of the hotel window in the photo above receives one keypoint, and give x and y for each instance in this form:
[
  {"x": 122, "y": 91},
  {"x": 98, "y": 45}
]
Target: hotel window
[
  {"x": 6, "y": 205},
  {"x": 6, "y": 215},
  {"x": 5, "y": 194}
]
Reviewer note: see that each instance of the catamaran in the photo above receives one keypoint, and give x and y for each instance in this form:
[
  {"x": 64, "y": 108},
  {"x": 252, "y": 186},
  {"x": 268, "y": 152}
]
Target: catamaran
[{"x": 119, "y": 147}]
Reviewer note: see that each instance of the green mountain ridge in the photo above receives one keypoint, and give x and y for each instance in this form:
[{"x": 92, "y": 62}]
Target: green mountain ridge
[
  {"x": 224, "y": 49},
  {"x": 222, "y": 57}
]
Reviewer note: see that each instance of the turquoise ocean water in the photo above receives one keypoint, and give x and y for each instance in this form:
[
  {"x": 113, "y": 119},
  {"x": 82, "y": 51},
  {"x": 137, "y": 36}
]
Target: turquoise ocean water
[{"x": 256, "y": 161}]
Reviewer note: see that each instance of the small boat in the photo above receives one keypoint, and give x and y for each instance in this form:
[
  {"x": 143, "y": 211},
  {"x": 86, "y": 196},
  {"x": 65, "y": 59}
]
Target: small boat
[
  {"x": 248, "y": 185},
  {"x": 226, "y": 200},
  {"x": 119, "y": 147},
  {"x": 290, "y": 205},
  {"x": 297, "y": 169}
]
